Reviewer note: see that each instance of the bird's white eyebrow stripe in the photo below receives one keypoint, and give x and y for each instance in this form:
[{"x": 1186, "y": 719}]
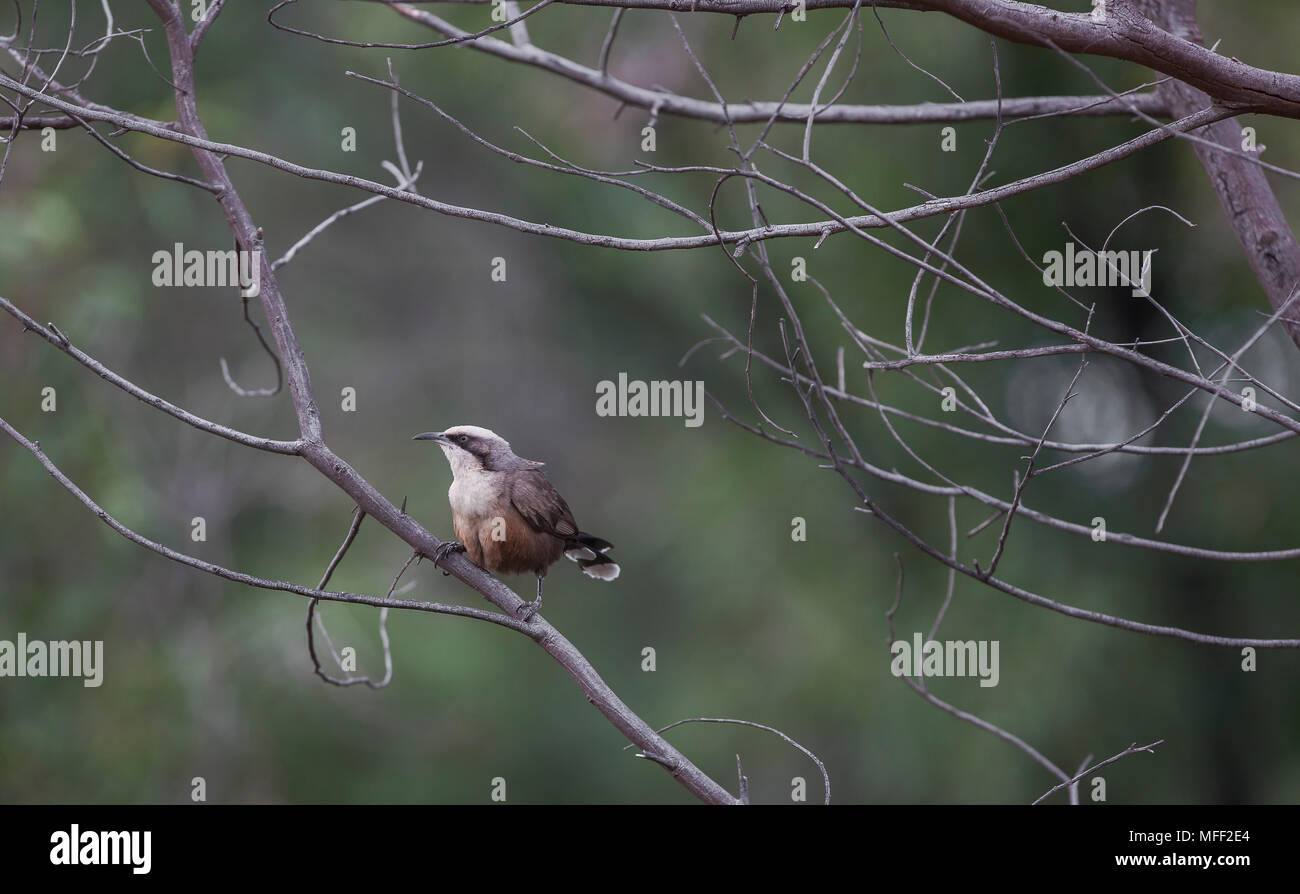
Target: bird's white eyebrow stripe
[{"x": 475, "y": 431}]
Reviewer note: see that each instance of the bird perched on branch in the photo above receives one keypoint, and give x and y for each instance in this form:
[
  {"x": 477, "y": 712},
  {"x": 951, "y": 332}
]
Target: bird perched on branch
[{"x": 507, "y": 516}]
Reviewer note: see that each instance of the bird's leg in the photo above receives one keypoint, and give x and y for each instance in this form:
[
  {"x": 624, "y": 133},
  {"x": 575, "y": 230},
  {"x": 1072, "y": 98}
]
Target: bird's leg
[
  {"x": 451, "y": 546},
  {"x": 528, "y": 609}
]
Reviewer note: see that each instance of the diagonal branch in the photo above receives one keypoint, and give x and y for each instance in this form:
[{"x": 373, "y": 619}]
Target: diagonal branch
[
  {"x": 826, "y": 778},
  {"x": 367, "y": 498},
  {"x": 669, "y": 103},
  {"x": 1132, "y": 749},
  {"x": 60, "y": 341},
  {"x": 240, "y": 577},
  {"x": 1249, "y": 204},
  {"x": 942, "y": 206},
  {"x": 1124, "y": 33}
]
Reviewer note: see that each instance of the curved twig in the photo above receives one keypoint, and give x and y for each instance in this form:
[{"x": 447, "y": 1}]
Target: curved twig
[{"x": 826, "y": 778}]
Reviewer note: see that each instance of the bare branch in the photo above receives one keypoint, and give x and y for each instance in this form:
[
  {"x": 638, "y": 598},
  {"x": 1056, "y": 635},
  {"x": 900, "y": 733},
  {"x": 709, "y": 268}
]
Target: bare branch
[
  {"x": 795, "y": 113},
  {"x": 1132, "y": 749},
  {"x": 366, "y": 497},
  {"x": 34, "y": 448},
  {"x": 666, "y": 243},
  {"x": 201, "y": 29},
  {"x": 56, "y": 338},
  {"x": 826, "y": 779}
]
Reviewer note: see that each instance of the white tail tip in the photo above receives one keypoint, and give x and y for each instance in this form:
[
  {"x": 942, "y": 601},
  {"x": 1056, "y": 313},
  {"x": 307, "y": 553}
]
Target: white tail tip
[{"x": 605, "y": 571}]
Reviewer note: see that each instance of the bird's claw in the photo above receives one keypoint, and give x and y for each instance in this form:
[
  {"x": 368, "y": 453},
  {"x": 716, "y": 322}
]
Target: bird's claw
[
  {"x": 528, "y": 610},
  {"x": 451, "y": 546}
]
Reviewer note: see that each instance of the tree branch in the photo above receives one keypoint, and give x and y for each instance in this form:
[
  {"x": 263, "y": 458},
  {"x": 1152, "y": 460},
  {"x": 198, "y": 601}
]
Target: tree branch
[{"x": 363, "y": 493}]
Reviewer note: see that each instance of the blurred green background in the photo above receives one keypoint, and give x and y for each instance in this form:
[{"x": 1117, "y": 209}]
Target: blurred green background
[{"x": 207, "y": 678}]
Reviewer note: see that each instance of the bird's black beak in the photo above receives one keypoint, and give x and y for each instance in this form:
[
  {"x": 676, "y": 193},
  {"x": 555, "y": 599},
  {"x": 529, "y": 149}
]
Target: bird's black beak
[{"x": 431, "y": 436}]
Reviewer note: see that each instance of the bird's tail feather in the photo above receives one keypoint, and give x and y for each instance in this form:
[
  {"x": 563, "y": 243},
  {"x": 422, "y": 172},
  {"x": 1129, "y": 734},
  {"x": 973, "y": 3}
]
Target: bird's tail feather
[{"x": 589, "y": 552}]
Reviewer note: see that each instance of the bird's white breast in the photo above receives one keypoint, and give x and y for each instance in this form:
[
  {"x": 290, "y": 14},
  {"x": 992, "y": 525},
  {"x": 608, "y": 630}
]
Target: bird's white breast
[{"x": 473, "y": 493}]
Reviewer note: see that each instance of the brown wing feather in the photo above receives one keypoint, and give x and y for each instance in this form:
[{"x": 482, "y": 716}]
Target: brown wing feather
[{"x": 541, "y": 505}]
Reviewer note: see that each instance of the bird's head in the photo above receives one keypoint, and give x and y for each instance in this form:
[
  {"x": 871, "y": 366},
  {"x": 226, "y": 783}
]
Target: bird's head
[{"x": 469, "y": 448}]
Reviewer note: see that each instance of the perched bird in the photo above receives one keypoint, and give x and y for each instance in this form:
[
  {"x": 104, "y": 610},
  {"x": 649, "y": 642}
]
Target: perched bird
[{"x": 507, "y": 516}]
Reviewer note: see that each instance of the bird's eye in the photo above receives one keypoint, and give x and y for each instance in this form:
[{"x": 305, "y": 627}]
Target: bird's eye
[{"x": 462, "y": 438}]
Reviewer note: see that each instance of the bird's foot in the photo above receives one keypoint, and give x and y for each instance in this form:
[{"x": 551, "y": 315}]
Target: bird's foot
[
  {"x": 451, "y": 546},
  {"x": 528, "y": 609}
]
